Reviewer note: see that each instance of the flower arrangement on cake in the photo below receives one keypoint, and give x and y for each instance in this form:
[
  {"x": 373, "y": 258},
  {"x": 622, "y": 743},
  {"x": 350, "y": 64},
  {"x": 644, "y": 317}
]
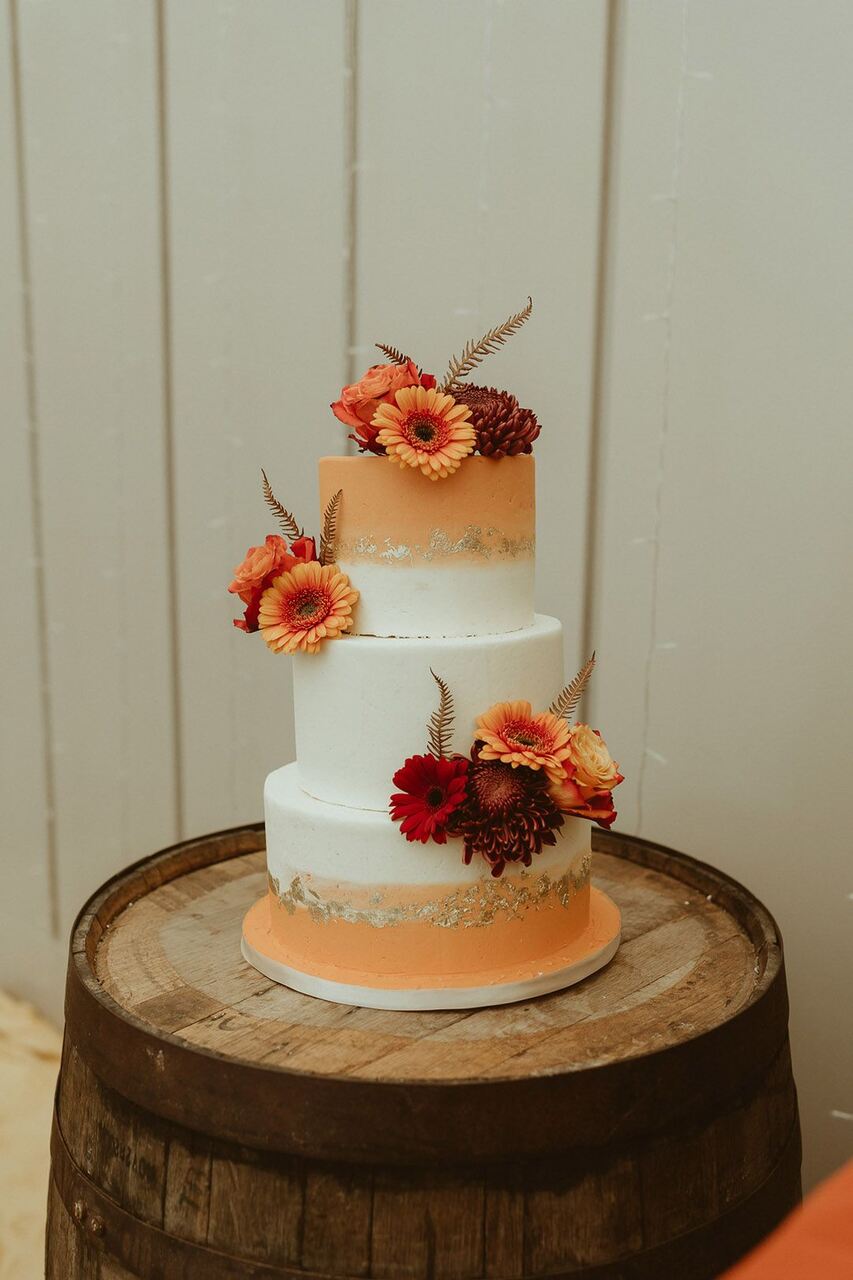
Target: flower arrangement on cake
[
  {"x": 489, "y": 897},
  {"x": 398, "y": 411},
  {"x": 294, "y": 596},
  {"x": 525, "y": 773},
  {"x": 298, "y": 598}
]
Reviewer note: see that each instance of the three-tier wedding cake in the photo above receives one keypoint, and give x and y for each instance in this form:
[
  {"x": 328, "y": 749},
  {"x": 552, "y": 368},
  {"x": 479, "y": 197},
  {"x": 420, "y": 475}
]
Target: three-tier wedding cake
[{"x": 430, "y": 846}]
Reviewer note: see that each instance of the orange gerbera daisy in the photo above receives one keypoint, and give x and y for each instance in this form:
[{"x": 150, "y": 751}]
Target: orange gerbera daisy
[
  {"x": 311, "y": 603},
  {"x": 509, "y": 731},
  {"x": 425, "y": 429}
]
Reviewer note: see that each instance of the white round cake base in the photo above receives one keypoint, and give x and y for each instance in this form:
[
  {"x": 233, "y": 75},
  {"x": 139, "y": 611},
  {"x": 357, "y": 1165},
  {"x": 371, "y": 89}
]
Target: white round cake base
[{"x": 544, "y": 979}]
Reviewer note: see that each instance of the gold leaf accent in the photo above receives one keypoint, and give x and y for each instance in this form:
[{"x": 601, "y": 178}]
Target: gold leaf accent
[
  {"x": 473, "y": 906},
  {"x": 484, "y": 542},
  {"x": 393, "y": 353},
  {"x": 564, "y": 705},
  {"x": 328, "y": 541},
  {"x": 284, "y": 517},
  {"x": 475, "y": 352},
  {"x": 440, "y": 725}
]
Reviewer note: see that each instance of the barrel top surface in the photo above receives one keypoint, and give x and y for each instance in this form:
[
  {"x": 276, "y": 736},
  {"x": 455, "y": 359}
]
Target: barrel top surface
[{"x": 161, "y": 943}]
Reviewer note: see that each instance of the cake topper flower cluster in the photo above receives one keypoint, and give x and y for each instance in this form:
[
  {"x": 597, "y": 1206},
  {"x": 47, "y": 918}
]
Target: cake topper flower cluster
[
  {"x": 298, "y": 598},
  {"x": 526, "y": 771},
  {"x": 398, "y": 411}
]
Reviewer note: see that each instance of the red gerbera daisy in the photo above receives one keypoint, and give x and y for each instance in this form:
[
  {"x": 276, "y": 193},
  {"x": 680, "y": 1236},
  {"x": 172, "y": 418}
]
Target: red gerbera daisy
[{"x": 430, "y": 791}]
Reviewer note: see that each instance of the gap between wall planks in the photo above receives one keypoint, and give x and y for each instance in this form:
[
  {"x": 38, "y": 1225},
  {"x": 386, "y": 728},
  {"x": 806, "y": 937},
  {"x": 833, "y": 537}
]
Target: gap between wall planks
[
  {"x": 612, "y": 66},
  {"x": 257, "y": 213},
  {"x": 351, "y": 368},
  {"x": 169, "y": 405},
  {"x": 25, "y": 763}
]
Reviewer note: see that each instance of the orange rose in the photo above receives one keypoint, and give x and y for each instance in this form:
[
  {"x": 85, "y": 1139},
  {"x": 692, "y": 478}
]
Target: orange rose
[
  {"x": 260, "y": 564},
  {"x": 594, "y": 766},
  {"x": 360, "y": 400}
]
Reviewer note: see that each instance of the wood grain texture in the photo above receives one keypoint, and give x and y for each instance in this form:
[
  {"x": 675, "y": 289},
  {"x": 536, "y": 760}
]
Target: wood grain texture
[
  {"x": 484, "y": 193},
  {"x": 686, "y": 962},
  {"x": 255, "y": 104},
  {"x": 89, "y": 133},
  {"x": 724, "y": 513},
  {"x": 215, "y": 1125}
]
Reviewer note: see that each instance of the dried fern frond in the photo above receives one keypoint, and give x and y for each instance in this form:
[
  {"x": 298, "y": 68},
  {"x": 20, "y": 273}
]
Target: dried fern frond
[
  {"x": 393, "y": 354},
  {"x": 329, "y": 536},
  {"x": 475, "y": 352},
  {"x": 440, "y": 725},
  {"x": 565, "y": 704},
  {"x": 284, "y": 517}
]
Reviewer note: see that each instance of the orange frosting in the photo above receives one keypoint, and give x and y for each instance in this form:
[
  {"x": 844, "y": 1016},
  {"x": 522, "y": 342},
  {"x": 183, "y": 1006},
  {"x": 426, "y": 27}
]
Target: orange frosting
[
  {"x": 412, "y": 956},
  {"x": 414, "y": 948},
  {"x": 386, "y": 507}
]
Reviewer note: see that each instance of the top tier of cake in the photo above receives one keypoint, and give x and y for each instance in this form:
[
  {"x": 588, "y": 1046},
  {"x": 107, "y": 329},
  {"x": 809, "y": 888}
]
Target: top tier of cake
[{"x": 450, "y": 558}]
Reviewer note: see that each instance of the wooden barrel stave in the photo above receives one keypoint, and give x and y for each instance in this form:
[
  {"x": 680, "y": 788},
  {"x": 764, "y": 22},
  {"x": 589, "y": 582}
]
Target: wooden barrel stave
[
  {"x": 572, "y": 1215},
  {"x": 672, "y": 1186}
]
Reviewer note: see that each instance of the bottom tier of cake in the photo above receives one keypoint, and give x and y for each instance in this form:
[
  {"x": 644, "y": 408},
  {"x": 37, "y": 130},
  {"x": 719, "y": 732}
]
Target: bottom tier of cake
[{"x": 356, "y": 914}]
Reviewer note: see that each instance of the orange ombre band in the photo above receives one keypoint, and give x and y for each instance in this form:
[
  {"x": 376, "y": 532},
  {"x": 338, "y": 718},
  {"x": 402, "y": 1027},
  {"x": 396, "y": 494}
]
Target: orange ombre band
[
  {"x": 417, "y": 950},
  {"x": 392, "y": 516}
]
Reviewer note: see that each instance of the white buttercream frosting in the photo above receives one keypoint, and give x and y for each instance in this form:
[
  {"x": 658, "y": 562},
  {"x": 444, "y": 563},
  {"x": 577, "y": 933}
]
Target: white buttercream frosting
[
  {"x": 464, "y": 599},
  {"x": 324, "y": 842}
]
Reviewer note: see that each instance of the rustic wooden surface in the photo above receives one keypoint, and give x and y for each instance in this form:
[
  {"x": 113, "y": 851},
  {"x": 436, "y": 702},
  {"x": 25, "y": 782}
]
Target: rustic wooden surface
[
  {"x": 212, "y": 1124},
  {"x": 173, "y": 961}
]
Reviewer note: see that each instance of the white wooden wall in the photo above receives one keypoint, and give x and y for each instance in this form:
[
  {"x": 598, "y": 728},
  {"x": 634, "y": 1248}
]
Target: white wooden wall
[{"x": 209, "y": 210}]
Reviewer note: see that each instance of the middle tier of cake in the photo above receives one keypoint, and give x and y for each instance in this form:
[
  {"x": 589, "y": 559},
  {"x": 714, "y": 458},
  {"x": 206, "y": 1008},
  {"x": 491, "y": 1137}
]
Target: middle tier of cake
[{"x": 362, "y": 704}]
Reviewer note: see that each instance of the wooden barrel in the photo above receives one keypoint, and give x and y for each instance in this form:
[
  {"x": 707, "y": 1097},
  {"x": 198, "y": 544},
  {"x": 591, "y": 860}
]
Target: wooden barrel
[{"x": 212, "y": 1126}]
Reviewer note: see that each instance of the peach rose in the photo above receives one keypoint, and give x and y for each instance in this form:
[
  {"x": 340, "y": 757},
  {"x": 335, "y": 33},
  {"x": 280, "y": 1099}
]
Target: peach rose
[
  {"x": 582, "y": 802},
  {"x": 260, "y": 564},
  {"x": 565, "y": 792},
  {"x": 594, "y": 766},
  {"x": 598, "y": 808},
  {"x": 360, "y": 400}
]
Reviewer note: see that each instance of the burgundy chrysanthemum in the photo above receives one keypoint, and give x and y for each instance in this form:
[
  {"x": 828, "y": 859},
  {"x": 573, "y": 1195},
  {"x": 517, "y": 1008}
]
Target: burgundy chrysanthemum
[
  {"x": 431, "y": 790},
  {"x": 509, "y": 814},
  {"x": 504, "y": 428}
]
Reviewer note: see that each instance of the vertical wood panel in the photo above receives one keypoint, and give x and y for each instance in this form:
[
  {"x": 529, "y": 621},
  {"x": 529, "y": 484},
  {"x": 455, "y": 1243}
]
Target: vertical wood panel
[
  {"x": 89, "y": 135},
  {"x": 645, "y": 163},
  {"x": 725, "y": 630},
  {"x": 478, "y": 183},
  {"x": 28, "y": 904},
  {"x": 256, "y": 151}
]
